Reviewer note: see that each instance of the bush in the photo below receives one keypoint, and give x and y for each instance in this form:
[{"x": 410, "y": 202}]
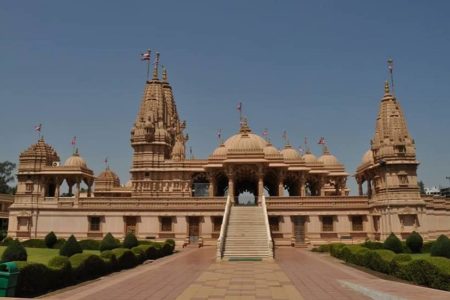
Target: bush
[
  {"x": 167, "y": 249},
  {"x": 6, "y": 241},
  {"x": 372, "y": 245},
  {"x": 109, "y": 242},
  {"x": 335, "y": 249},
  {"x": 50, "y": 239},
  {"x": 58, "y": 261},
  {"x": 62, "y": 267},
  {"x": 34, "y": 243},
  {"x": 125, "y": 258},
  {"x": 398, "y": 263},
  {"x": 172, "y": 244},
  {"x": 393, "y": 243},
  {"x": 87, "y": 266},
  {"x": 139, "y": 253},
  {"x": 34, "y": 279},
  {"x": 441, "y": 247},
  {"x": 130, "y": 241},
  {"x": 427, "y": 246},
  {"x": 112, "y": 265},
  {"x": 59, "y": 243},
  {"x": 15, "y": 252},
  {"x": 154, "y": 251},
  {"x": 89, "y": 244},
  {"x": 426, "y": 273},
  {"x": 414, "y": 242},
  {"x": 70, "y": 247}
]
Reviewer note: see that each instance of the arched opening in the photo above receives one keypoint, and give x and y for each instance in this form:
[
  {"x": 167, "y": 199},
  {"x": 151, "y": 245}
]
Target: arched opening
[
  {"x": 200, "y": 185},
  {"x": 270, "y": 183},
  {"x": 246, "y": 190},
  {"x": 292, "y": 185},
  {"x": 50, "y": 189},
  {"x": 221, "y": 185},
  {"x": 312, "y": 186}
]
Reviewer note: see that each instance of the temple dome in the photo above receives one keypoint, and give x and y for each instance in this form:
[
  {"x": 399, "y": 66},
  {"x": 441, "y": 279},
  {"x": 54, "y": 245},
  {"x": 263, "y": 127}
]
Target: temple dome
[
  {"x": 308, "y": 157},
  {"x": 220, "y": 151},
  {"x": 271, "y": 150},
  {"x": 290, "y": 153},
  {"x": 245, "y": 140},
  {"x": 41, "y": 150},
  {"x": 328, "y": 159},
  {"x": 367, "y": 157},
  {"x": 108, "y": 175},
  {"x": 75, "y": 161}
]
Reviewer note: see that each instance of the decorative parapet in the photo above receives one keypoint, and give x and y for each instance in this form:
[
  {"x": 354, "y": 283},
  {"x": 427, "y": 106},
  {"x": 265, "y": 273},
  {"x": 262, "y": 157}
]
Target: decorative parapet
[{"x": 311, "y": 203}]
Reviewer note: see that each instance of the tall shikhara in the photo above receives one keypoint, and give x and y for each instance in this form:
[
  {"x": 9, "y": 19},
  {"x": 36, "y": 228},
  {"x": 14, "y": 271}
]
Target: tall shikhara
[{"x": 157, "y": 134}]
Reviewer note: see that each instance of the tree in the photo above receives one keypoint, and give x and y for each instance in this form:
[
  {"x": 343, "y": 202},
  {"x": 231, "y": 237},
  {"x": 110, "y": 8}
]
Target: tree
[
  {"x": 6, "y": 176},
  {"x": 70, "y": 247},
  {"x": 421, "y": 187}
]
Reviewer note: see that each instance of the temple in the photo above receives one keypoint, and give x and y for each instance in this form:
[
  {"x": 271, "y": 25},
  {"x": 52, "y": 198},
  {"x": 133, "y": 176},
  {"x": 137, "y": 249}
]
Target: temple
[{"x": 245, "y": 198}]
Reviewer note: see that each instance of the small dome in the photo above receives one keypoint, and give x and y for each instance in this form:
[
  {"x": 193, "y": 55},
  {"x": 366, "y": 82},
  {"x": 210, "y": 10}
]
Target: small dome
[
  {"x": 108, "y": 175},
  {"x": 75, "y": 161},
  {"x": 271, "y": 150},
  {"x": 40, "y": 150},
  {"x": 220, "y": 151},
  {"x": 367, "y": 157},
  {"x": 309, "y": 157},
  {"x": 245, "y": 142},
  {"x": 328, "y": 159},
  {"x": 290, "y": 153}
]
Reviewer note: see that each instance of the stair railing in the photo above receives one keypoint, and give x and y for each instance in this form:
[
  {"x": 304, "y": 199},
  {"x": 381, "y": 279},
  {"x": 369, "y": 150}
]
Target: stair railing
[
  {"x": 266, "y": 221},
  {"x": 223, "y": 227}
]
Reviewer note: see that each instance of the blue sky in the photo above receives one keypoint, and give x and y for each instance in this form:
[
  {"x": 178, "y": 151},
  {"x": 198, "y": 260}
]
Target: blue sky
[{"x": 313, "y": 69}]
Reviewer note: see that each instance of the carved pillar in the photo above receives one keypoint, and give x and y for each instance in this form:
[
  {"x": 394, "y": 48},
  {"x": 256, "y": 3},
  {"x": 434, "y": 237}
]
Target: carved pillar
[
  {"x": 212, "y": 186},
  {"x": 89, "y": 189},
  {"x": 321, "y": 184},
  {"x": 77, "y": 194},
  {"x": 231, "y": 186},
  {"x": 281, "y": 184},
  {"x": 58, "y": 188},
  {"x": 360, "y": 188},
  {"x": 369, "y": 188},
  {"x": 260, "y": 184},
  {"x": 302, "y": 186}
]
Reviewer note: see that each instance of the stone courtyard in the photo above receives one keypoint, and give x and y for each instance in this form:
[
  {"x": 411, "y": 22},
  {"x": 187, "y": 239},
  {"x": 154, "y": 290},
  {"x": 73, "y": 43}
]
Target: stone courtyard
[{"x": 295, "y": 274}]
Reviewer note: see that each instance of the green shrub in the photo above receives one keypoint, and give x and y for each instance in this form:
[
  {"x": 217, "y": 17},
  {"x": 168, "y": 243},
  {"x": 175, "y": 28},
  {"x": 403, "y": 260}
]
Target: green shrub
[
  {"x": 393, "y": 243},
  {"x": 139, "y": 253},
  {"x": 425, "y": 273},
  {"x": 398, "y": 264},
  {"x": 15, "y": 251},
  {"x": 379, "y": 260},
  {"x": 415, "y": 242},
  {"x": 34, "y": 243},
  {"x": 335, "y": 249},
  {"x": 154, "y": 251},
  {"x": 87, "y": 266},
  {"x": 59, "y": 243},
  {"x": 130, "y": 241},
  {"x": 427, "y": 246},
  {"x": 58, "y": 261},
  {"x": 125, "y": 258},
  {"x": 372, "y": 245},
  {"x": 70, "y": 247},
  {"x": 60, "y": 265},
  {"x": 6, "y": 241},
  {"x": 50, "y": 239},
  {"x": 89, "y": 244},
  {"x": 167, "y": 249},
  {"x": 172, "y": 244},
  {"x": 441, "y": 247},
  {"x": 109, "y": 242},
  {"x": 110, "y": 259},
  {"x": 34, "y": 280}
]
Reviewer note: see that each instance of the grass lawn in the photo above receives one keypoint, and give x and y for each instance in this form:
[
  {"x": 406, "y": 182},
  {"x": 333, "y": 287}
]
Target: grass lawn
[
  {"x": 43, "y": 255},
  {"x": 419, "y": 255}
]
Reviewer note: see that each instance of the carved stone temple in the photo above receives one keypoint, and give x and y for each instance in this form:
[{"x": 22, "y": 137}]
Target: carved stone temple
[{"x": 247, "y": 196}]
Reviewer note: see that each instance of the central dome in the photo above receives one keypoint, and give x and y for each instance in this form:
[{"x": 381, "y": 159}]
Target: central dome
[{"x": 245, "y": 141}]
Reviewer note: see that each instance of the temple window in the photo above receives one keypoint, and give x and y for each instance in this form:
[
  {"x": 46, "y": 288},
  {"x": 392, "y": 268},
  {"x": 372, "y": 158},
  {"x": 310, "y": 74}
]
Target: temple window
[
  {"x": 327, "y": 223},
  {"x": 166, "y": 224},
  {"x": 23, "y": 223},
  {"x": 94, "y": 223},
  {"x": 29, "y": 187},
  {"x": 357, "y": 223},
  {"x": 274, "y": 223}
]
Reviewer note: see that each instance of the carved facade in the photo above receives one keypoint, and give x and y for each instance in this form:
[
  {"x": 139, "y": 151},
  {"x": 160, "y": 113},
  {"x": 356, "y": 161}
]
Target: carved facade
[{"x": 171, "y": 196}]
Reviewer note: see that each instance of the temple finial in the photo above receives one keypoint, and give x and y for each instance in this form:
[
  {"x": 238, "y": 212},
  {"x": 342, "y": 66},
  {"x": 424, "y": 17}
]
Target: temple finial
[
  {"x": 164, "y": 73},
  {"x": 155, "y": 69},
  {"x": 390, "y": 64},
  {"x": 245, "y": 129},
  {"x": 386, "y": 88}
]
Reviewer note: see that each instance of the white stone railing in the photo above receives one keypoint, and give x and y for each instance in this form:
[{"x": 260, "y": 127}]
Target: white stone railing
[
  {"x": 223, "y": 228},
  {"x": 266, "y": 221}
]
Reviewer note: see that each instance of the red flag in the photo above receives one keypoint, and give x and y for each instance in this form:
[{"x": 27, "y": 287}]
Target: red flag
[
  {"x": 38, "y": 128},
  {"x": 321, "y": 141},
  {"x": 106, "y": 160},
  {"x": 74, "y": 141},
  {"x": 239, "y": 106},
  {"x": 265, "y": 132}
]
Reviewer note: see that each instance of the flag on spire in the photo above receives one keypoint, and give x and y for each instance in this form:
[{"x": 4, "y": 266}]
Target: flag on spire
[
  {"x": 265, "y": 132},
  {"x": 321, "y": 141},
  {"x": 219, "y": 133},
  {"x": 239, "y": 106},
  {"x": 38, "y": 127},
  {"x": 146, "y": 55},
  {"x": 301, "y": 150},
  {"x": 285, "y": 137},
  {"x": 74, "y": 141}
]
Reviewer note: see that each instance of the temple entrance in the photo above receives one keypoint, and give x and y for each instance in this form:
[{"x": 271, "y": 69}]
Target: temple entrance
[
  {"x": 246, "y": 198},
  {"x": 246, "y": 186},
  {"x": 194, "y": 229},
  {"x": 299, "y": 229}
]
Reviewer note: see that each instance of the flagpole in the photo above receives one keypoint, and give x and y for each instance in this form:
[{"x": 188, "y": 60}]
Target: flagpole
[{"x": 391, "y": 72}]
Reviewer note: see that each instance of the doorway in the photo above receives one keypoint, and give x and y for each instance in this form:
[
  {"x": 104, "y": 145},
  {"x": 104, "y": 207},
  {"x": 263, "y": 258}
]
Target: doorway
[
  {"x": 193, "y": 229},
  {"x": 130, "y": 224},
  {"x": 299, "y": 229}
]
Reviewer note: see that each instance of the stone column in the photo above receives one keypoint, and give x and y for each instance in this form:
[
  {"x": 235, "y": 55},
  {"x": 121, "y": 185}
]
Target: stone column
[
  {"x": 369, "y": 188},
  {"x": 57, "y": 188},
  {"x": 280, "y": 188},
  {"x": 231, "y": 186},
  {"x": 89, "y": 190},
  {"x": 321, "y": 184},
  {"x": 260, "y": 185},
  {"x": 212, "y": 186},
  {"x": 360, "y": 188}
]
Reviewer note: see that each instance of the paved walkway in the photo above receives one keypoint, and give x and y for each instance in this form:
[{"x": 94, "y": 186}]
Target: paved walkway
[{"x": 295, "y": 274}]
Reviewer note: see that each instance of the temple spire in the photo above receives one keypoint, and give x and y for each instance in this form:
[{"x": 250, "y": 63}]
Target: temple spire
[
  {"x": 386, "y": 88},
  {"x": 164, "y": 73},
  {"x": 155, "y": 69}
]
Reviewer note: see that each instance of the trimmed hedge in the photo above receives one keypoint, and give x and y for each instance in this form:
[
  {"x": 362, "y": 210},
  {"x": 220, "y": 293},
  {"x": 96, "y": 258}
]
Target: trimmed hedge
[
  {"x": 109, "y": 242},
  {"x": 50, "y": 239},
  {"x": 15, "y": 252},
  {"x": 87, "y": 266},
  {"x": 393, "y": 243},
  {"x": 130, "y": 241},
  {"x": 59, "y": 243},
  {"x": 441, "y": 247},
  {"x": 89, "y": 244},
  {"x": 432, "y": 272},
  {"x": 415, "y": 242},
  {"x": 34, "y": 243},
  {"x": 70, "y": 247},
  {"x": 125, "y": 258}
]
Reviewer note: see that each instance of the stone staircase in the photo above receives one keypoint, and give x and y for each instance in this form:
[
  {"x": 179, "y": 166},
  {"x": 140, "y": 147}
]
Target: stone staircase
[{"x": 246, "y": 235}]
